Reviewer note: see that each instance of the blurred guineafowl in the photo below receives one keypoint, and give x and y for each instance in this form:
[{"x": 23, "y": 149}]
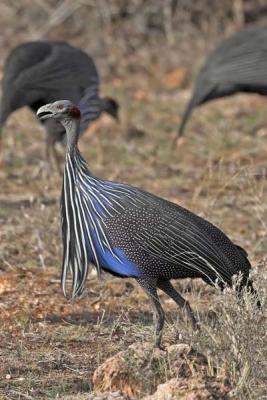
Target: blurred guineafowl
[
  {"x": 37, "y": 73},
  {"x": 131, "y": 233},
  {"x": 238, "y": 64}
]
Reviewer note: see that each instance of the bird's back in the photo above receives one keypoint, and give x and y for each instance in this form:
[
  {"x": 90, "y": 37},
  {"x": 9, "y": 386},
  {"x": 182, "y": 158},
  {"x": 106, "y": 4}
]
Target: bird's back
[
  {"x": 163, "y": 235},
  {"x": 24, "y": 56},
  {"x": 238, "y": 64},
  {"x": 37, "y": 73}
]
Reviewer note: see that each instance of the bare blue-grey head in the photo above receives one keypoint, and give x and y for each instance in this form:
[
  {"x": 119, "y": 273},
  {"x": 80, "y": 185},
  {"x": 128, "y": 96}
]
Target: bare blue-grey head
[{"x": 68, "y": 115}]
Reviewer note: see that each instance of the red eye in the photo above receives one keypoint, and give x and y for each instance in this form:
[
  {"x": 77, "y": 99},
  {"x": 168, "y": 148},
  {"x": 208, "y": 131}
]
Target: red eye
[{"x": 60, "y": 106}]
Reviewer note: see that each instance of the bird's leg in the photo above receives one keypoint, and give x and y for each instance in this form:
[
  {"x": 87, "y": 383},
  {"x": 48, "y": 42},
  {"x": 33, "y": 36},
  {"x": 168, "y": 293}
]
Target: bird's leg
[
  {"x": 150, "y": 287},
  {"x": 166, "y": 287}
]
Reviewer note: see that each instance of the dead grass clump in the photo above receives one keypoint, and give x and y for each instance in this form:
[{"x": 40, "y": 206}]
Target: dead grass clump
[{"x": 236, "y": 346}]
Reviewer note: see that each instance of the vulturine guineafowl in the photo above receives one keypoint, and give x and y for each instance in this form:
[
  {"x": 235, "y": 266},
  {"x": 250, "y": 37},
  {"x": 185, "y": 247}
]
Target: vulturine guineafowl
[
  {"x": 238, "y": 64},
  {"x": 131, "y": 233},
  {"x": 37, "y": 73}
]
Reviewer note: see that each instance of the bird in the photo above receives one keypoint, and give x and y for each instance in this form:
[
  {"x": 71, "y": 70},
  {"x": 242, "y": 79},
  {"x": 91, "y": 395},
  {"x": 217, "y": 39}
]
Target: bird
[
  {"x": 238, "y": 64},
  {"x": 128, "y": 232},
  {"x": 39, "y": 72}
]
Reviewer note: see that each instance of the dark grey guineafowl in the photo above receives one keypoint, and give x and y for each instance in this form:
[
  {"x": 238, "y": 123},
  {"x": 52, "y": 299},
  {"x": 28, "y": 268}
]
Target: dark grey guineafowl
[
  {"x": 131, "y": 233},
  {"x": 238, "y": 64},
  {"x": 37, "y": 73}
]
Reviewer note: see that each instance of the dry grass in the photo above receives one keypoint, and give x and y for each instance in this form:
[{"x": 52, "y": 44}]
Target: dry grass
[
  {"x": 235, "y": 345},
  {"x": 50, "y": 347}
]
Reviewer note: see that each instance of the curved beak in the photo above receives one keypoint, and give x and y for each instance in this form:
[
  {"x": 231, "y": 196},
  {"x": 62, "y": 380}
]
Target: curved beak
[{"x": 45, "y": 112}]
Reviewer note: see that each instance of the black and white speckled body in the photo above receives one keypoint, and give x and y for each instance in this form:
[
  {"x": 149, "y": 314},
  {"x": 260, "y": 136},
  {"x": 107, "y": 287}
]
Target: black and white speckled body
[{"x": 168, "y": 241}]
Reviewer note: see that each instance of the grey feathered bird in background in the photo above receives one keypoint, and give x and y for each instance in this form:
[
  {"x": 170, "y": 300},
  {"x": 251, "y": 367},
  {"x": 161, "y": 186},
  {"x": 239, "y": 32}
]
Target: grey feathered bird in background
[
  {"x": 238, "y": 64},
  {"x": 37, "y": 73}
]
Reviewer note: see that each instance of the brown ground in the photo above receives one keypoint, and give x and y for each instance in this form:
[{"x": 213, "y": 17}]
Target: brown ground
[{"x": 50, "y": 347}]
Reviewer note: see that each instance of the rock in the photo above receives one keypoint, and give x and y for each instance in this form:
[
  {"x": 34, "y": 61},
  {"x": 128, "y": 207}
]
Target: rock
[
  {"x": 124, "y": 371},
  {"x": 93, "y": 396},
  {"x": 108, "y": 396},
  {"x": 138, "y": 369},
  {"x": 195, "y": 388}
]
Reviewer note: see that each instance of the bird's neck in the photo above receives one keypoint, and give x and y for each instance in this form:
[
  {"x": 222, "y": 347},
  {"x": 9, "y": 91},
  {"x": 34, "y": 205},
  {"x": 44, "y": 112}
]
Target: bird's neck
[
  {"x": 73, "y": 155},
  {"x": 72, "y": 127}
]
